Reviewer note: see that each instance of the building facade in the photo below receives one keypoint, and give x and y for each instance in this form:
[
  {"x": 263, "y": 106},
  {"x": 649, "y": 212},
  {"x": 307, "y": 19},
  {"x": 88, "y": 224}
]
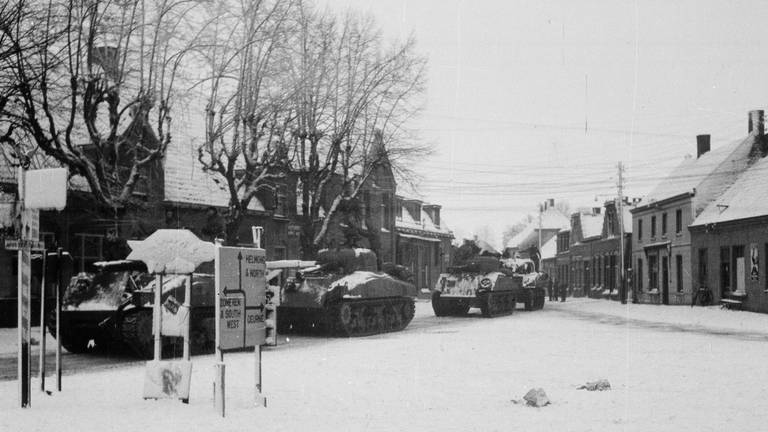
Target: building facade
[
  {"x": 662, "y": 249},
  {"x": 729, "y": 241}
]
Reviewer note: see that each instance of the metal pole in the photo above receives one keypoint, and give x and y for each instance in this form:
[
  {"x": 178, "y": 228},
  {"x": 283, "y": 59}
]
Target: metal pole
[
  {"x": 24, "y": 361},
  {"x": 42, "y": 325},
  {"x": 157, "y": 324},
  {"x": 58, "y": 319}
]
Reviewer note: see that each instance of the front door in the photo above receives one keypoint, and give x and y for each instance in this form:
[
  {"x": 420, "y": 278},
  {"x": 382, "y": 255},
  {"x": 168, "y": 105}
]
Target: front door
[
  {"x": 740, "y": 274},
  {"x": 664, "y": 280}
]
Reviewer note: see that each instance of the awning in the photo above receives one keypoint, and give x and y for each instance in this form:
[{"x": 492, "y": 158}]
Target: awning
[
  {"x": 415, "y": 237},
  {"x": 657, "y": 245}
]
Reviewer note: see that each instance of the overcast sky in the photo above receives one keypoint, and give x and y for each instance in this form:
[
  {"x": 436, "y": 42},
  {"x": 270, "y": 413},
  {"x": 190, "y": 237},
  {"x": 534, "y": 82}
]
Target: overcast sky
[{"x": 531, "y": 100}]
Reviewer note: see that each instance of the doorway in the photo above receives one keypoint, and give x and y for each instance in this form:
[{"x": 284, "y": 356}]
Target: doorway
[{"x": 665, "y": 280}]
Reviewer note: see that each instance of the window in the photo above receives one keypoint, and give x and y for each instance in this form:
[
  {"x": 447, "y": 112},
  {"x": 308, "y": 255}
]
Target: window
[
  {"x": 639, "y": 229},
  {"x": 663, "y": 224},
  {"x": 653, "y": 226},
  {"x": 703, "y": 268},
  {"x": 679, "y": 221},
  {"x": 86, "y": 249},
  {"x": 639, "y": 274},
  {"x": 653, "y": 272},
  {"x": 679, "y": 273}
]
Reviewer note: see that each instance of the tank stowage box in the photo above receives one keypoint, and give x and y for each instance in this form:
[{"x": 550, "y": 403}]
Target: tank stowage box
[{"x": 344, "y": 295}]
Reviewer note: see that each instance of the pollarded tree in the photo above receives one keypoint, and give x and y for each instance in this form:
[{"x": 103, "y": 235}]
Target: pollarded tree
[
  {"x": 97, "y": 92},
  {"x": 353, "y": 98},
  {"x": 247, "y": 117}
]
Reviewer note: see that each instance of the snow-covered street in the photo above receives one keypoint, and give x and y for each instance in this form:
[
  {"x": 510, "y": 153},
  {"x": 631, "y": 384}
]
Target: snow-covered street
[{"x": 457, "y": 374}]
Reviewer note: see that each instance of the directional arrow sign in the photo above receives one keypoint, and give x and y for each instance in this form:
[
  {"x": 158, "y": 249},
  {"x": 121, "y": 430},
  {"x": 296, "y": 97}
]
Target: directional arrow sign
[
  {"x": 19, "y": 244},
  {"x": 241, "y": 274}
]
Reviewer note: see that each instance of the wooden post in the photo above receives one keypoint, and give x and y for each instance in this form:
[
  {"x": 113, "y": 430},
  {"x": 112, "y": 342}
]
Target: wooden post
[
  {"x": 260, "y": 400},
  {"x": 219, "y": 372},
  {"x": 42, "y": 325},
  {"x": 158, "y": 317},
  {"x": 58, "y": 319}
]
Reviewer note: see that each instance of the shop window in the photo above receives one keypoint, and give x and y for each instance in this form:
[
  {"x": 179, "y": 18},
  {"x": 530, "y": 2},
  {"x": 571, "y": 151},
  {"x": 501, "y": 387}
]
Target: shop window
[
  {"x": 679, "y": 272},
  {"x": 639, "y": 274}
]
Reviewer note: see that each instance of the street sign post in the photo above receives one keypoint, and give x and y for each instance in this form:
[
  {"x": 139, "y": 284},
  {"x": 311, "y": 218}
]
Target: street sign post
[
  {"x": 241, "y": 278},
  {"x": 240, "y": 310}
]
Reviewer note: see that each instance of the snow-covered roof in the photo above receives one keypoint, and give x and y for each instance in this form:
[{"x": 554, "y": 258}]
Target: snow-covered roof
[
  {"x": 746, "y": 198},
  {"x": 185, "y": 180},
  {"x": 692, "y": 171},
  {"x": 523, "y": 237},
  {"x": 592, "y": 225},
  {"x": 549, "y": 249},
  {"x": 425, "y": 224},
  {"x": 551, "y": 219}
]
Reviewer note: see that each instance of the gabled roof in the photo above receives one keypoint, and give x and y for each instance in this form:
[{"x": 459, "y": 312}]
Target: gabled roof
[
  {"x": 591, "y": 225},
  {"x": 746, "y": 198},
  {"x": 549, "y": 249},
  {"x": 551, "y": 219},
  {"x": 690, "y": 173}
]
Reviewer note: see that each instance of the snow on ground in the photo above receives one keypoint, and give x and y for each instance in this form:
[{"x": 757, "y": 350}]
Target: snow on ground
[
  {"x": 712, "y": 318},
  {"x": 447, "y": 374}
]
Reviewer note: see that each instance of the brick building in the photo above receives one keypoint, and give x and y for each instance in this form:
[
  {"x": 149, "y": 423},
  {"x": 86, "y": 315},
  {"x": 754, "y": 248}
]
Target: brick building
[
  {"x": 729, "y": 240},
  {"x": 661, "y": 251}
]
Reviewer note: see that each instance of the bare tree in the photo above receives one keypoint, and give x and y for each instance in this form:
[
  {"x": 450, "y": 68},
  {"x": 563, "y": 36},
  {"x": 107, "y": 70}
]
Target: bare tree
[
  {"x": 247, "y": 117},
  {"x": 353, "y": 97},
  {"x": 97, "y": 93}
]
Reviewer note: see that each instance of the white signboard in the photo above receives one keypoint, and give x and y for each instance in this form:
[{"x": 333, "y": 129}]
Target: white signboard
[
  {"x": 241, "y": 284},
  {"x": 46, "y": 188}
]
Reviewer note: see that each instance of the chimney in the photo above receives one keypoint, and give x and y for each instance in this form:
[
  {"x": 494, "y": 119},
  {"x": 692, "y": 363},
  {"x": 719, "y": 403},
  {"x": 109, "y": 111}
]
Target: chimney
[
  {"x": 756, "y": 122},
  {"x": 702, "y": 145}
]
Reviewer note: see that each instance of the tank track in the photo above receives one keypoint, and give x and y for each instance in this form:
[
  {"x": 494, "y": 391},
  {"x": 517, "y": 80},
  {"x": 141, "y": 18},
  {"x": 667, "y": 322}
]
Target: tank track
[
  {"x": 445, "y": 307},
  {"x": 354, "y": 318},
  {"x": 534, "y": 299},
  {"x": 497, "y": 303}
]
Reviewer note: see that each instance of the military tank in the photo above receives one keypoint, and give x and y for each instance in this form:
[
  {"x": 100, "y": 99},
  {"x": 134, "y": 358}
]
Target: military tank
[
  {"x": 532, "y": 289},
  {"x": 111, "y": 309},
  {"x": 475, "y": 280},
  {"x": 345, "y": 295}
]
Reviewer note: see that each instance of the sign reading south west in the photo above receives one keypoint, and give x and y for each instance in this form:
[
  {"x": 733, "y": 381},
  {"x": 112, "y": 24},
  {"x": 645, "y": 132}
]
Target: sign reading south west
[{"x": 242, "y": 283}]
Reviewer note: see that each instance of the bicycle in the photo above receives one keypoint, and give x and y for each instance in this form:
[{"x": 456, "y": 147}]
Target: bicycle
[{"x": 703, "y": 297}]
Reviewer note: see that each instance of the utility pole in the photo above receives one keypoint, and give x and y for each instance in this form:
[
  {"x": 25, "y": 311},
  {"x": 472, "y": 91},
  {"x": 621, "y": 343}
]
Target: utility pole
[{"x": 620, "y": 213}]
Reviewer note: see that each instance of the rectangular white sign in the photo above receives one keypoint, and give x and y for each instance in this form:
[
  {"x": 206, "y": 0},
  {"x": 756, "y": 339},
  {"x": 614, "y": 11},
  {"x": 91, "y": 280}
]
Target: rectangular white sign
[
  {"x": 241, "y": 282},
  {"x": 46, "y": 189}
]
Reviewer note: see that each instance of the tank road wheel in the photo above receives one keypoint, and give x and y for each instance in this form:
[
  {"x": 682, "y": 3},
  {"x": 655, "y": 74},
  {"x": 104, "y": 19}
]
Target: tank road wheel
[
  {"x": 409, "y": 310},
  {"x": 438, "y": 306}
]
